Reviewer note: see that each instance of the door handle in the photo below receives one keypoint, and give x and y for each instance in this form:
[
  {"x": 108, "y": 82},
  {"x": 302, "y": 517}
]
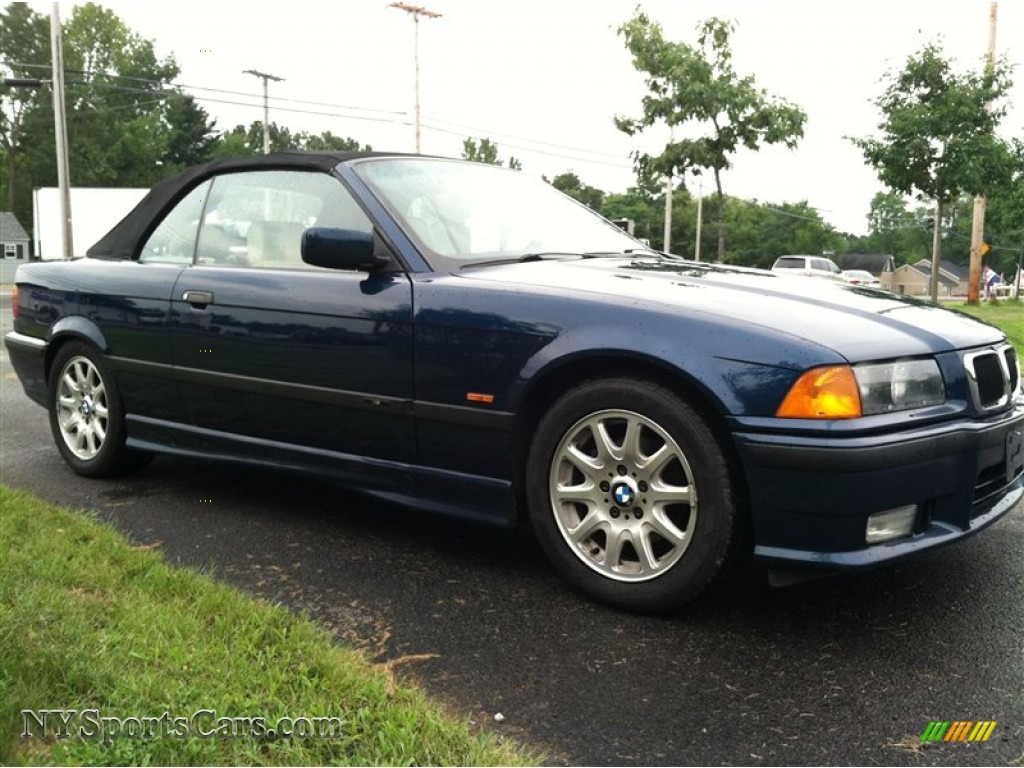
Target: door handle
[{"x": 198, "y": 299}]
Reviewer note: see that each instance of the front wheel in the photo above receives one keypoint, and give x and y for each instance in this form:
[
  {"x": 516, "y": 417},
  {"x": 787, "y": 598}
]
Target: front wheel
[
  {"x": 631, "y": 495},
  {"x": 86, "y": 415}
]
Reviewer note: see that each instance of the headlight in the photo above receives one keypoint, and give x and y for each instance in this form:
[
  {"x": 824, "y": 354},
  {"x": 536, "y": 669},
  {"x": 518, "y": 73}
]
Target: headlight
[
  {"x": 845, "y": 392},
  {"x": 898, "y": 386}
]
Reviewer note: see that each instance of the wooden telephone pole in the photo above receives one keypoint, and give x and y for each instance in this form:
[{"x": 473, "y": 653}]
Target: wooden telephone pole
[
  {"x": 61, "y": 133},
  {"x": 978, "y": 223},
  {"x": 416, "y": 11},
  {"x": 266, "y": 105}
]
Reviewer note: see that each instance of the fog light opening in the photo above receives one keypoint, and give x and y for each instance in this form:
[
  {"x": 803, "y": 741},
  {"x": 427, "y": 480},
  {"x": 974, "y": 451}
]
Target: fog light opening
[{"x": 891, "y": 524}]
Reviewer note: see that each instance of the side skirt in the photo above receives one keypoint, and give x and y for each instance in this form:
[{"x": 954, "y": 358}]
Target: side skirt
[{"x": 482, "y": 499}]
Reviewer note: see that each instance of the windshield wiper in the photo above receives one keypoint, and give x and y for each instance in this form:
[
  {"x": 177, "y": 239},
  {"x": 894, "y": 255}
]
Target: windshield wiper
[
  {"x": 526, "y": 257},
  {"x": 627, "y": 252},
  {"x": 558, "y": 256}
]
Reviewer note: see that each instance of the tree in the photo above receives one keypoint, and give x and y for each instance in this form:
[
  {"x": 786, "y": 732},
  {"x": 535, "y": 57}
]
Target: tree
[
  {"x": 896, "y": 230},
  {"x": 235, "y": 143},
  {"x": 570, "y": 184},
  {"x": 327, "y": 141},
  {"x": 117, "y": 97},
  {"x": 886, "y": 218},
  {"x": 486, "y": 151},
  {"x": 241, "y": 141},
  {"x": 938, "y": 138},
  {"x": 25, "y": 54},
  {"x": 698, "y": 87},
  {"x": 761, "y": 232},
  {"x": 117, "y": 93},
  {"x": 1005, "y": 228},
  {"x": 191, "y": 138},
  {"x": 636, "y": 204}
]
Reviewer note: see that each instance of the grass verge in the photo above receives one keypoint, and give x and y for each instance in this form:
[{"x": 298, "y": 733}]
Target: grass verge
[
  {"x": 1007, "y": 315},
  {"x": 90, "y": 623}
]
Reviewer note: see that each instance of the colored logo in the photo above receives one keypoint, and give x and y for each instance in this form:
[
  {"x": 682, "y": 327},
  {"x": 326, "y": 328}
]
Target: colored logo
[
  {"x": 623, "y": 494},
  {"x": 958, "y": 730}
]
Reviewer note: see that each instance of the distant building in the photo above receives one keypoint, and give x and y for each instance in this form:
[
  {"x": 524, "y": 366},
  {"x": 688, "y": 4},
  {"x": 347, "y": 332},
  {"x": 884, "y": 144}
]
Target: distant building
[
  {"x": 914, "y": 279},
  {"x": 14, "y": 239},
  {"x": 875, "y": 263}
]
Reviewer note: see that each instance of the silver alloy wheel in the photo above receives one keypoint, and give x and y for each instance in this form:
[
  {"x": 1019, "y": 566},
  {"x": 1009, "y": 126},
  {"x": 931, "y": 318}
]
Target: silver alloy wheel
[
  {"x": 623, "y": 495},
  {"x": 82, "y": 413}
]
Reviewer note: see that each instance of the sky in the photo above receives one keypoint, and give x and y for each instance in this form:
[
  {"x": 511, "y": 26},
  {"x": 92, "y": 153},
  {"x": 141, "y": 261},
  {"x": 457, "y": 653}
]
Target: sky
[{"x": 545, "y": 79}]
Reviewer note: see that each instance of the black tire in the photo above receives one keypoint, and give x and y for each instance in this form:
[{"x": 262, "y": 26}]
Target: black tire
[
  {"x": 87, "y": 415},
  {"x": 631, "y": 495}
]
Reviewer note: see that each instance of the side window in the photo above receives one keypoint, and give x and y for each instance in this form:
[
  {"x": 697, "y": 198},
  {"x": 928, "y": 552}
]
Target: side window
[
  {"x": 174, "y": 239},
  {"x": 256, "y": 219}
]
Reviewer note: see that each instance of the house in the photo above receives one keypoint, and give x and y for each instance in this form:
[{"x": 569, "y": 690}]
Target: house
[
  {"x": 914, "y": 280},
  {"x": 13, "y": 237},
  {"x": 953, "y": 271},
  {"x": 875, "y": 263}
]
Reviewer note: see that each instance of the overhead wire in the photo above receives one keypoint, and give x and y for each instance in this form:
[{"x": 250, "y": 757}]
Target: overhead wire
[
  {"x": 394, "y": 117},
  {"x": 279, "y": 104}
]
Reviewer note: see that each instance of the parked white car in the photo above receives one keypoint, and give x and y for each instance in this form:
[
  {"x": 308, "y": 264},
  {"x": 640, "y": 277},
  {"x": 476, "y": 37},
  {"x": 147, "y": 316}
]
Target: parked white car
[
  {"x": 861, "y": 277},
  {"x": 808, "y": 266}
]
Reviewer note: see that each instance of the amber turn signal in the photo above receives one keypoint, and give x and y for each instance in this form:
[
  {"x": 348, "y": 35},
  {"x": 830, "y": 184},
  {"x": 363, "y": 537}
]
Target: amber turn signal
[{"x": 823, "y": 393}]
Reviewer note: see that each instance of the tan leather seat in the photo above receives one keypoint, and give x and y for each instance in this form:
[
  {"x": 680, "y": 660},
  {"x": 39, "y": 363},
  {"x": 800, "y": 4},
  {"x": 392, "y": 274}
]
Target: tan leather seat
[{"x": 275, "y": 244}]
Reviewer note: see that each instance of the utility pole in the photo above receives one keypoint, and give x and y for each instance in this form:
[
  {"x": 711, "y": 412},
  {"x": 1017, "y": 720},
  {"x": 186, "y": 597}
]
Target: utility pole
[
  {"x": 700, "y": 218},
  {"x": 668, "y": 214},
  {"x": 978, "y": 222},
  {"x": 667, "y": 240},
  {"x": 416, "y": 11},
  {"x": 933, "y": 281},
  {"x": 60, "y": 125},
  {"x": 266, "y": 105}
]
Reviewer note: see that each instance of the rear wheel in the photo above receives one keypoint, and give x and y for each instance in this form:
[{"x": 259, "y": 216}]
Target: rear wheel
[
  {"x": 86, "y": 415},
  {"x": 630, "y": 494}
]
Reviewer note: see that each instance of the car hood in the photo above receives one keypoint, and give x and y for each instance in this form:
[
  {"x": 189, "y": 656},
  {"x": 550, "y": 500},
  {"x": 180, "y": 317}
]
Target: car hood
[{"x": 858, "y": 322}]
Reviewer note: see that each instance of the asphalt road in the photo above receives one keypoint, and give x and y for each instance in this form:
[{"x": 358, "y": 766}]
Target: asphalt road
[{"x": 848, "y": 670}]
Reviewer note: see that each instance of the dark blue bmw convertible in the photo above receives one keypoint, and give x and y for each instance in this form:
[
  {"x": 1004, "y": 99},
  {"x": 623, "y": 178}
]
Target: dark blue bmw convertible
[{"x": 466, "y": 340}]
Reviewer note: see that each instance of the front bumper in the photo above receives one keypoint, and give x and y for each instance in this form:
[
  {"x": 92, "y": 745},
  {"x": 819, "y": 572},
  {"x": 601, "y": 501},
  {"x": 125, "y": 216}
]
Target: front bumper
[{"x": 811, "y": 496}]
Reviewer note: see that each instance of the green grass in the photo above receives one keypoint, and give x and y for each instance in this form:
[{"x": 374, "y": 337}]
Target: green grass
[
  {"x": 1007, "y": 315},
  {"x": 88, "y": 622}
]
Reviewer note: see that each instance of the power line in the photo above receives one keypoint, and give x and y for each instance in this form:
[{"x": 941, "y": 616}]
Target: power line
[
  {"x": 171, "y": 84},
  {"x": 577, "y": 154},
  {"x": 498, "y": 134}
]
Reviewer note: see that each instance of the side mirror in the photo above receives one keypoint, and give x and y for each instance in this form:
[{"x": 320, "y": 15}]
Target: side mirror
[{"x": 341, "y": 249}]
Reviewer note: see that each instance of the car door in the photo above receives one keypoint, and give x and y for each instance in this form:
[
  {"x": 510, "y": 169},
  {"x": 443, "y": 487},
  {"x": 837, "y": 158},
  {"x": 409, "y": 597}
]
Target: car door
[
  {"x": 131, "y": 303},
  {"x": 270, "y": 350}
]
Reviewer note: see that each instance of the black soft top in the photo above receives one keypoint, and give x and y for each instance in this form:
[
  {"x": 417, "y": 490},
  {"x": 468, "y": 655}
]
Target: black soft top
[{"x": 128, "y": 235}]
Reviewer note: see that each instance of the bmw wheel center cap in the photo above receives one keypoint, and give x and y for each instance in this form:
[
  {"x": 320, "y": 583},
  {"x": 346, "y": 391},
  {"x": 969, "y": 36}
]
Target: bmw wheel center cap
[{"x": 624, "y": 494}]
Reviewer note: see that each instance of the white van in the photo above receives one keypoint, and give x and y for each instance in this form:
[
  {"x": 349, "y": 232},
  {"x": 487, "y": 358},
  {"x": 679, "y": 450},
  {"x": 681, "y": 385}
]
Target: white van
[{"x": 808, "y": 266}]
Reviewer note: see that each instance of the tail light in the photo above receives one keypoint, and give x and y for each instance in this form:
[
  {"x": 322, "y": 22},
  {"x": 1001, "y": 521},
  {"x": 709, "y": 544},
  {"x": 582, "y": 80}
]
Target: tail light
[{"x": 14, "y": 302}]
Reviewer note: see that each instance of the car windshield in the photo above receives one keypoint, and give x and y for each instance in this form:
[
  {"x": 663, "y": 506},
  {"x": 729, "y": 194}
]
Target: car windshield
[{"x": 461, "y": 213}]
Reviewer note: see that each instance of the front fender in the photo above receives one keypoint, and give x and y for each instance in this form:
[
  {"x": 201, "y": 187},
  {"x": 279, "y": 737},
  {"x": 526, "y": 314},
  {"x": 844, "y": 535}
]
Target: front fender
[{"x": 721, "y": 366}]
